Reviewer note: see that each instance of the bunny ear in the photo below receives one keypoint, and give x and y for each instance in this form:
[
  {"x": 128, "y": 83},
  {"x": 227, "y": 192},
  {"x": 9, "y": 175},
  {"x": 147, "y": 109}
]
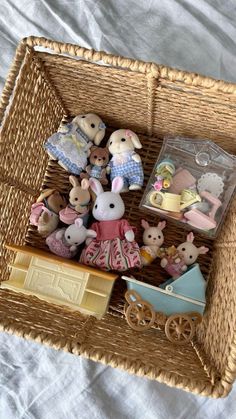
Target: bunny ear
[
  {"x": 99, "y": 136},
  {"x": 79, "y": 222},
  {"x": 144, "y": 224},
  {"x": 117, "y": 184},
  {"x": 96, "y": 186},
  {"x": 202, "y": 250},
  {"x": 190, "y": 237},
  {"x": 161, "y": 225},
  {"x": 85, "y": 184},
  {"x": 74, "y": 181},
  {"x": 134, "y": 138}
]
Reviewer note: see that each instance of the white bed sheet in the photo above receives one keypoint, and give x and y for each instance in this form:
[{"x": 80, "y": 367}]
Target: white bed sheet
[{"x": 199, "y": 36}]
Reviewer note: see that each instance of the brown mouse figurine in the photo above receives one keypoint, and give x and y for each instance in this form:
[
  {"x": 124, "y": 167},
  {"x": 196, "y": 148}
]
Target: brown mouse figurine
[
  {"x": 45, "y": 212},
  {"x": 98, "y": 159}
]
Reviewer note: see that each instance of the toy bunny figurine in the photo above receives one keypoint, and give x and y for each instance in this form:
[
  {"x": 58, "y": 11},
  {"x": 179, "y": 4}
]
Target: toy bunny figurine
[
  {"x": 65, "y": 242},
  {"x": 71, "y": 144},
  {"x": 176, "y": 261},
  {"x": 114, "y": 247},
  {"x": 125, "y": 162},
  {"x": 79, "y": 202},
  {"x": 153, "y": 239},
  {"x": 99, "y": 158},
  {"x": 45, "y": 212}
]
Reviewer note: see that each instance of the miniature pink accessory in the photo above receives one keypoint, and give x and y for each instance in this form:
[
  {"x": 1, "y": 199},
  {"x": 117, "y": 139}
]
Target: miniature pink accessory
[
  {"x": 200, "y": 220},
  {"x": 68, "y": 215}
]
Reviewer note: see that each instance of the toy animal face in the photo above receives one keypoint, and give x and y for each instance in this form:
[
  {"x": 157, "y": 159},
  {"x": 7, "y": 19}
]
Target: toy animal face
[
  {"x": 108, "y": 205},
  {"x": 75, "y": 235},
  {"x": 153, "y": 236},
  {"x": 79, "y": 196},
  {"x": 56, "y": 202},
  {"x": 189, "y": 252},
  {"x": 123, "y": 140},
  {"x": 99, "y": 156},
  {"x": 92, "y": 126}
]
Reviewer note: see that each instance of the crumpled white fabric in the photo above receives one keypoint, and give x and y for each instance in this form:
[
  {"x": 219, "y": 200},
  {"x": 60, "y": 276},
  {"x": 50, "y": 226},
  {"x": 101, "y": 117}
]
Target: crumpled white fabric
[
  {"x": 38, "y": 382},
  {"x": 199, "y": 36}
]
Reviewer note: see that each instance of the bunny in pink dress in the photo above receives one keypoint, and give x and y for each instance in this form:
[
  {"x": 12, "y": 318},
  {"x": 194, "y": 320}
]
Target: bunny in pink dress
[{"x": 114, "y": 247}]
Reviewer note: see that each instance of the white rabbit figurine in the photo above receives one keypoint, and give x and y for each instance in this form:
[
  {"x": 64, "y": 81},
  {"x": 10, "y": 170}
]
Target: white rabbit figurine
[
  {"x": 71, "y": 144},
  {"x": 114, "y": 247},
  {"x": 189, "y": 251},
  {"x": 125, "y": 161},
  {"x": 153, "y": 238},
  {"x": 64, "y": 242},
  {"x": 177, "y": 262}
]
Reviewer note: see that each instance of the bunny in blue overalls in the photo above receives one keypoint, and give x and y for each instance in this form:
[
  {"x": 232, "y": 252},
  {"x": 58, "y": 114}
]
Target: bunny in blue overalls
[
  {"x": 125, "y": 161},
  {"x": 130, "y": 170}
]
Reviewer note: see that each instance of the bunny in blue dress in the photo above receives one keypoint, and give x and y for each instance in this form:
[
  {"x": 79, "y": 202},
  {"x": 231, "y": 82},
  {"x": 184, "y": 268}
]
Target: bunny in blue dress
[{"x": 71, "y": 144}]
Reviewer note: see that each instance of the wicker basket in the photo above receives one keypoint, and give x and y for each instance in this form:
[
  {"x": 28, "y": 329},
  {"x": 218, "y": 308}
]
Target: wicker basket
[{"x": 41, "y": 89}]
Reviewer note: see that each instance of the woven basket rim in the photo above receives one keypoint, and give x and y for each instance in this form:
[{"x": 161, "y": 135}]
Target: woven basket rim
[{"x": 151, "y": 69}]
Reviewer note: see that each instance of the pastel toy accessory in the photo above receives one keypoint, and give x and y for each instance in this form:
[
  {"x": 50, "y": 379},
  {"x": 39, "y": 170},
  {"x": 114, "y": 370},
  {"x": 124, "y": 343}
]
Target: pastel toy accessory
[
  {"x": 201, "y": 166},
  {"x": 189, "y": 197},
  {"x": 114, "y": 247},
  {"x": 44, "y": 213},
  {"x": 99, "y": 158},
  {"x": 64, "y": 242},
  {"x": 153, "y": 238},
  {"x": 79, "y": 198},
  {"x": 176, "y": 261},
  {"x": 211, "y": 182},
  {"x": 182, "y": 179},
  {"x": 177, "y": 305},
  {"x": 71, "y": 144},
  {"x": 164, "y": 173},
  {"x": 60, "y": 281},
  {"x": 166, "y": 201},
  {"x": 125, "y": 161},
  {"x": 198, "y": 219}
]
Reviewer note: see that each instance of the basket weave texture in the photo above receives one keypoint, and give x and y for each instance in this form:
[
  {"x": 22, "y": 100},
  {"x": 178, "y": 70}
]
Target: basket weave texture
[{"x": 63, "y": 80}]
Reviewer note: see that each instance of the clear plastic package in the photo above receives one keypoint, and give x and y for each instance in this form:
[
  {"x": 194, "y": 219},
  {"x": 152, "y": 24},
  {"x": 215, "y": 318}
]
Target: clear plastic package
[{"x": 193, "y": 182}]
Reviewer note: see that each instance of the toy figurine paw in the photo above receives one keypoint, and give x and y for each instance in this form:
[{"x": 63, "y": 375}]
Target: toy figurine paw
[
  {"x": 135, "y": 187},
  {"x": 164, "y": 262},
  {"x": 136, "y": 158},
  {"x": 129, "y": 235}
]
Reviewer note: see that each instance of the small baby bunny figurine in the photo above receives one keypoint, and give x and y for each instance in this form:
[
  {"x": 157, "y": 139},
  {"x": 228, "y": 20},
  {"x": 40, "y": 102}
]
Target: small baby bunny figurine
[
  {"x": 125, "y": 161},
  {"x": 79, "y": 198},
  {"x": 189, "y": 251},
  {"x": 71, "y": 144},
  {"x": 176, "y": 261},
  {"x": 98, "y": 159},
  {"x": 114, "y": 247},
  {"x": 153, "y": 238},
  {"x": 45, "y": 212},
  {"x": 64, "y": 242}
]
